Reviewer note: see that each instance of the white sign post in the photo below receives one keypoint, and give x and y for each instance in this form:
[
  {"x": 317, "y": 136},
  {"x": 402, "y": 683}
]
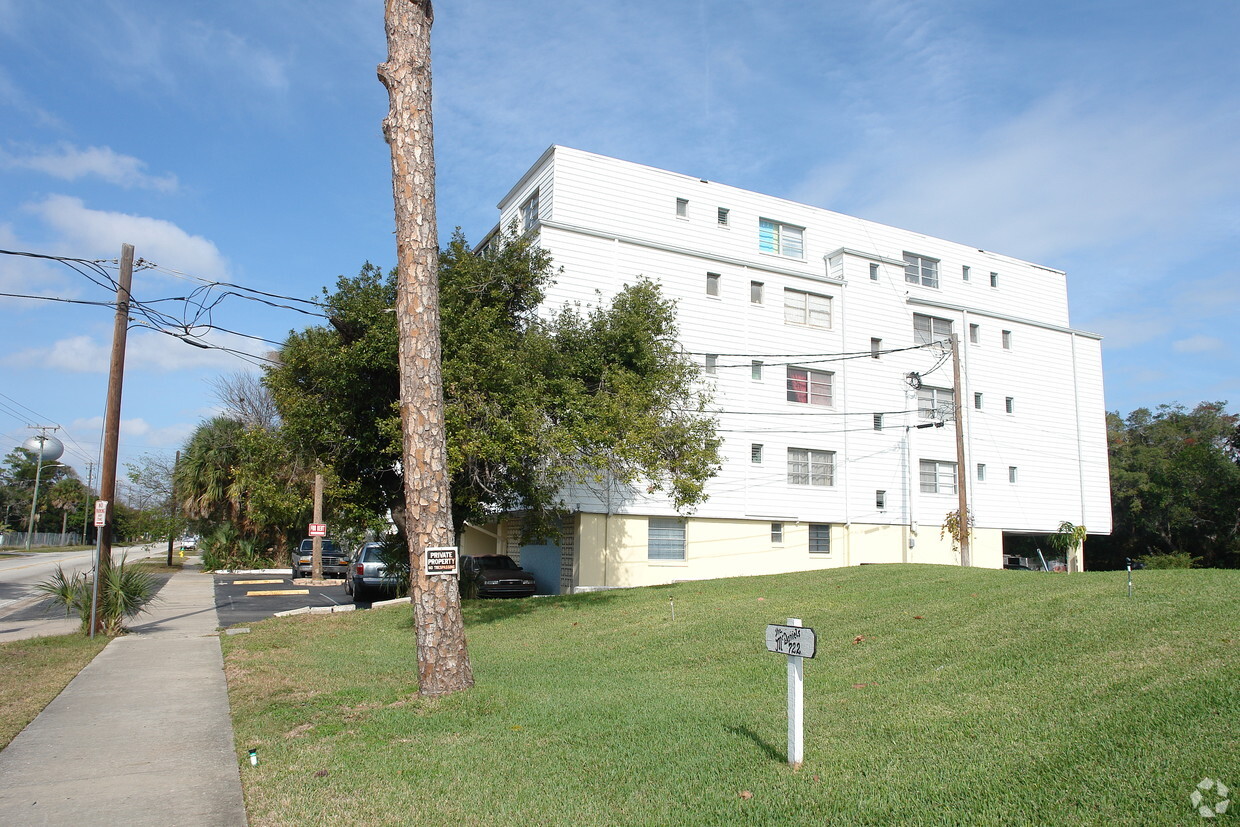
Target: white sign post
[
  {"x": 101, "y": 520},
  {"x": 797, "y": 643}
]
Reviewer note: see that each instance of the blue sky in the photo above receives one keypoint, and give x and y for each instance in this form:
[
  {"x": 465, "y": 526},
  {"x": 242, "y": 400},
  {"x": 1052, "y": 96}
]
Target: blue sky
[{"x": 240, "y": 141}]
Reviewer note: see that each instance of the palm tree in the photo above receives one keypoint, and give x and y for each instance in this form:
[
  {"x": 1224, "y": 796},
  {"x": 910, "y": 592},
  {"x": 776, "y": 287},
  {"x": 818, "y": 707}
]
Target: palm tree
[
  {"x": 67, "y": 494},
  {"x": 206, "y": 479}
]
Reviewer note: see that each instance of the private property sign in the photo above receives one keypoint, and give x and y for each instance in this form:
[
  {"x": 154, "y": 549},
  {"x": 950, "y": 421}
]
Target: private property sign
[{"x": 441, "y": 560}]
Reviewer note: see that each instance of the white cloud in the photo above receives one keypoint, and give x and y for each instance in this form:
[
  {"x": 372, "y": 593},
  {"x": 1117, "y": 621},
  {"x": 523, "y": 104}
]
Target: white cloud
[
  {"x": 139, "y": 430},
  {"x": 70, "y": 163},
  {"x": 1070, "y": 172},
  {"x": 100, "y": 233},
  {"x": 1197, "y": 344},
  {"x": 144, "y": 351}
]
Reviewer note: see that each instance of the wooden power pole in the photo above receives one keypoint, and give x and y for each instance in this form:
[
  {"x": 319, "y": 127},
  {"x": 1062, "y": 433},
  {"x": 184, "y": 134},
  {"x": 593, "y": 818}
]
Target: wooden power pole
[
  {"x": 443, "y": 662},
  {"x": 962, "y": 470},
  {"x": 316, "y": 544},
  {"x": 112, "y": 421}
]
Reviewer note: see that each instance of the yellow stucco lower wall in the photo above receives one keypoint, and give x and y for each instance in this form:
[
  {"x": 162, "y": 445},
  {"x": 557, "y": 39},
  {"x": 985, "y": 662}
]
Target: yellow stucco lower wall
[
  {"x": 613, "y": 549},
  {"x": 477, "y": 540}
]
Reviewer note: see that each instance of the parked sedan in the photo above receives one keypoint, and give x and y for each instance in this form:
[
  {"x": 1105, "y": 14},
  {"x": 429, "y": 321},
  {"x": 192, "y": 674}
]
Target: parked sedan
[
  {"x": 334, "y": 559},
  {"x": 495, "y": 575},
  {"x": 368, "y": 574}
]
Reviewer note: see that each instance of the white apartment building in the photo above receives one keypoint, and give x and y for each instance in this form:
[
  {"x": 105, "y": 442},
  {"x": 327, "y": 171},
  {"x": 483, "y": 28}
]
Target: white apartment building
[{"x": 822, "y": 338}]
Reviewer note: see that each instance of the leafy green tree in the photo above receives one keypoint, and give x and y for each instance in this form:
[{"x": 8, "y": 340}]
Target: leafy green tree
[
  {"x": 1175, "y": 485},
  {"x": 532, "y": 402},
  {"x": 17, "y": 477}
]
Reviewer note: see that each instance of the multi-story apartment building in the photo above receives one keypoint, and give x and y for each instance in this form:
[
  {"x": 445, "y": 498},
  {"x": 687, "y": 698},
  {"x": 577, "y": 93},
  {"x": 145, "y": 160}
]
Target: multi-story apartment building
[{"x": 824, "y": 339}]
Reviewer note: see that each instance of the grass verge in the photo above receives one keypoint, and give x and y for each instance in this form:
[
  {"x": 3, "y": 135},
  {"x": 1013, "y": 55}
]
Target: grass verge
[
  {"x": 939, "y": 696},
  {"x": 32, "y": 673}
]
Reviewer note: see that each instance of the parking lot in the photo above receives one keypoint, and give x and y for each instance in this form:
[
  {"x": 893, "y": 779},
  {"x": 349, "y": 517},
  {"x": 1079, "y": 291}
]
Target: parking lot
[{"x": 246, "y": 597}]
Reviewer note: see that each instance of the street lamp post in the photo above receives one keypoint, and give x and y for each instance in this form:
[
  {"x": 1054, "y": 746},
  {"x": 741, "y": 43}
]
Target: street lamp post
[{"x": 45, "y": 447}]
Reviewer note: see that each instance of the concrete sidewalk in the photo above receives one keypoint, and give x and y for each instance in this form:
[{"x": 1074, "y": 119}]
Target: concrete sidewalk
[{"x": 142, "y": 736}]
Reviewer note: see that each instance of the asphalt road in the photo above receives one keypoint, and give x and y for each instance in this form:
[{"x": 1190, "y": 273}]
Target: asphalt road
[
  {"x": 250, "y": 597},
  {"x": 22, "y": 610}
]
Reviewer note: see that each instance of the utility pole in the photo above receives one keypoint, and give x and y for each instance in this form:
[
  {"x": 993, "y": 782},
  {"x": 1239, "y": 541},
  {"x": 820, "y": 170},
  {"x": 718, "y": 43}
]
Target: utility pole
[
  {"x": 443, "y": 661},
  {"x": 962, "y": 470},
  {"x": 112, "y": 415},
  {"x": 90, "y": 481},
  {"x": 172, "y": 497},
  {"x": 316, "y": 544}
]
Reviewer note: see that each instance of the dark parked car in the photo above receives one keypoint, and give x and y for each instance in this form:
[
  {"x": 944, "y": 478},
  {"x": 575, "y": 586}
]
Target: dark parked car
[
  {"x": 368, "y": 575},
  {"x": 335, "y": 561},
  {"x": 495, "y": 575}
]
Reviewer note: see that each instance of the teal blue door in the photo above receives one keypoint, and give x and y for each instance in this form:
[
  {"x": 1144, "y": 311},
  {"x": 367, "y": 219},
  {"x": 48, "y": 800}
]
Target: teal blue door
[{"x": 544, "y": 563}]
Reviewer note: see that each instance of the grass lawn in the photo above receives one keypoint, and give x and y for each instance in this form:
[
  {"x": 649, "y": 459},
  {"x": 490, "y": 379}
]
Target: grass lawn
[
  {"x": 32, "y": 673},
  {"x": 939, "y": 696}
]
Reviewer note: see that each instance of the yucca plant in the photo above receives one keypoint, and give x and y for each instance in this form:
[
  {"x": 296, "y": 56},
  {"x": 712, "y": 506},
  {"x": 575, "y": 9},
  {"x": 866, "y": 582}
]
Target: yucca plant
[{"x": 126, "y": 591}]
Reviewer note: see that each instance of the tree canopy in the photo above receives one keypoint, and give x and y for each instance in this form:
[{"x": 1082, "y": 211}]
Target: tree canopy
[
  {"x": 1175, "y": 485},
  {"x": 533, "y": 401}
]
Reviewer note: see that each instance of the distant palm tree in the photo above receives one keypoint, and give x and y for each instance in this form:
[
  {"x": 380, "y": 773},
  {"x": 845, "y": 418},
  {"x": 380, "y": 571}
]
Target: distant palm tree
[
  {"x": 206, "y": 479},
  {"x": 66, "y": 495}
]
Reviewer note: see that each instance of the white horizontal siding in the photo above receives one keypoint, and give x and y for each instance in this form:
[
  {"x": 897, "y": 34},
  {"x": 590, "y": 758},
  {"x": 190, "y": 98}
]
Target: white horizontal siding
[{"x": 615, "y": 222}]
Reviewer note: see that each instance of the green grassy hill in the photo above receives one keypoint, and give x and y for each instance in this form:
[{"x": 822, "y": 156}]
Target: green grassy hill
[{"x": 938, "y": 696}]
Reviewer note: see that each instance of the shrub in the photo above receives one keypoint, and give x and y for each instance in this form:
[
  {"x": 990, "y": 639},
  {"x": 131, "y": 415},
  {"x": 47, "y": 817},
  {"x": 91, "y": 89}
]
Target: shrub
[
  {"x": 1171, "y": 560},
  {"x": 126, "y": 591}
]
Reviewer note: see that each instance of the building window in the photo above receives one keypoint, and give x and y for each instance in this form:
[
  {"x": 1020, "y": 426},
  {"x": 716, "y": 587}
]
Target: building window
[
  {"x": 682, "y": 208},
  {"x": 810, "y": 387},
  {"x": 1010, "y": 404},
  {"x": 777, "y": 532},
  {"x": 964, "y": 272},
  {"x": 981, "y": 472},
  {"x": 1007, "y": 340},
  {"x": 808, "y": 309},
  {"x": 712, "y": 363},
  {"x": 934, "y": 403},
  {"x": 878, "y": 422},
  {"x": 927, "y": 329},
  {"x": 781, "y": 239},
  {"x": 723, "y": 216},
  {"x": 873, "y": 272},
  {"x": 876, "y": 347},
  {"x": 975, "y": 333},
  {"x": 529, "y": 212},
  {"x": 712, "y": 284},
  {"x": 819, "y": 538},
  {"x": 755, "y": 370},
  {"x": 880, "y": 500},
  {"x": 665, "y": 539},
  {"x": 977, "y": 401},
  {"x": 755, "y": 453},
  {"x": 938, "y": 477},
  {"x": 806, "y": 467},
  {"x": 755, "y": 292},
  {"x": 921, "y": 270},
  {"x": 1012, "y": 474},
  {"x": 994, "y": 279}
]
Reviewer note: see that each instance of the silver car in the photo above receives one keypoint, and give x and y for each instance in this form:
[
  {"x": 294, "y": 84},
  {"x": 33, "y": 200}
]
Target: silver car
[{"x": 367, "y": 574}]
